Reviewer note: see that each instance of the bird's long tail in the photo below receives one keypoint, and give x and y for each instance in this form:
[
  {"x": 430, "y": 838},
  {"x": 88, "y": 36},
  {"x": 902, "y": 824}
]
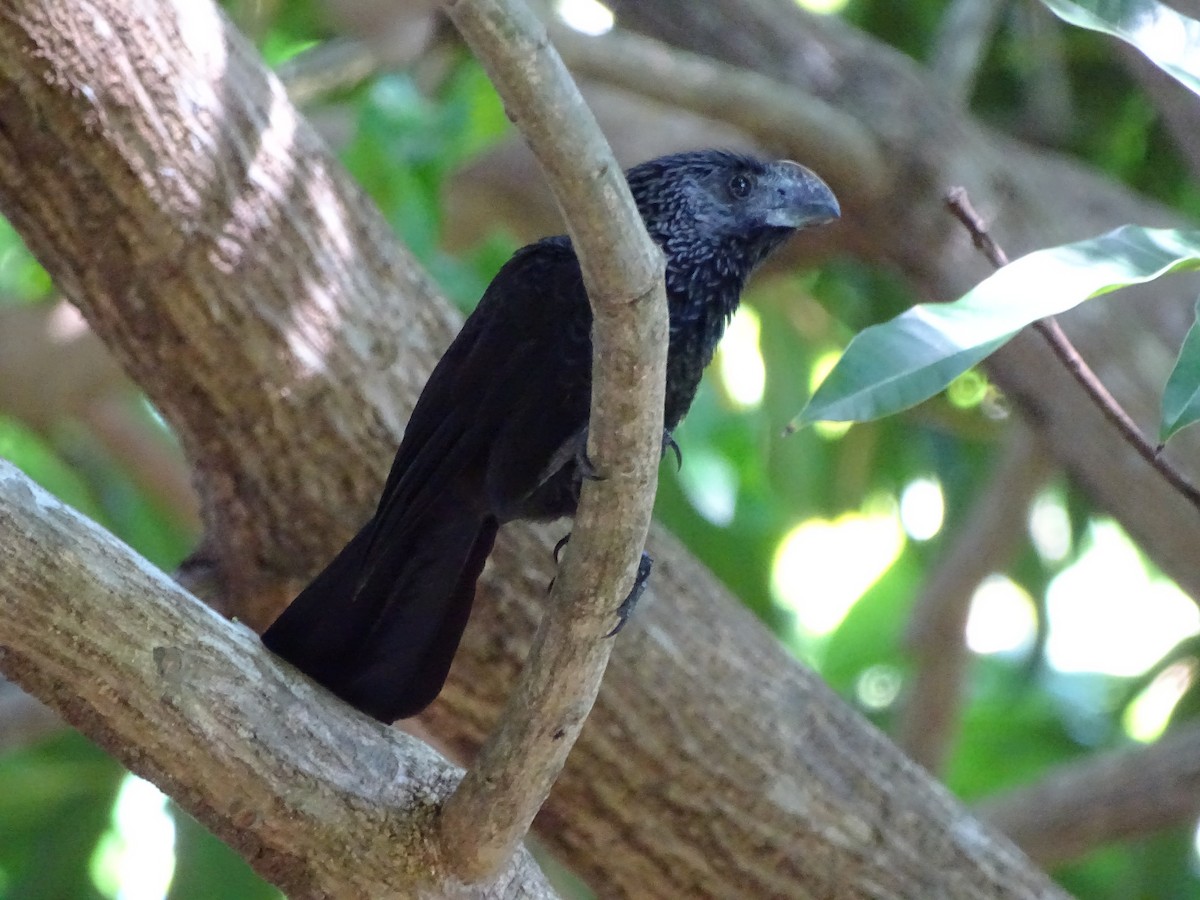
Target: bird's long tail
[{"x": 380, "y": 625}]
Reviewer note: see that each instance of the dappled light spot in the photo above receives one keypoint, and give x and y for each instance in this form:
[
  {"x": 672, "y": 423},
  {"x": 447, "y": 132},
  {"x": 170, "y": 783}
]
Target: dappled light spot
[
  {"x": 822, "y": 567},
  {"x": 922, "y": 508},
  {"x": 711, "y": 484},
  {"x": 740, "y": 362},
  {"x": 822, "y": 365},
  {"x": 314, "y": 312},
  {"x": 66, "y": 324},
  {"x": 1109, "y": 613},
  {"x": 585, "y": 16},
  {"x": 135, "y": 858},
  {"x": 1050, "y": 527},
  {"x": 202, "y": 32},
  {"x": 1003, "y": 617},
  {"x": 968, "y": 390},
  {"x": 878, "y": 686},
  {"x": 823, "y": 7},
  {"x": 1147, "y": 717}
]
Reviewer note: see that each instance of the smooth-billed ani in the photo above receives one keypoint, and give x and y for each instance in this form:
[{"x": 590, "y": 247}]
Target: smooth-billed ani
[{"x": 500, "y": 430}]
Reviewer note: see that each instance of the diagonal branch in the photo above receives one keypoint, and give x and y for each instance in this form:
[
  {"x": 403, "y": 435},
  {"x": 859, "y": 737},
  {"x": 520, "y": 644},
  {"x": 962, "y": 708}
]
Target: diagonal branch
[
  {"x": 246, "y": 232},
  {"x": 282, "y": 772}
]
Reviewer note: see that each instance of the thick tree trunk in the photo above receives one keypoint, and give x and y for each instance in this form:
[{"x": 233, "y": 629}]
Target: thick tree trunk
[{"x": 238, "y": 274}]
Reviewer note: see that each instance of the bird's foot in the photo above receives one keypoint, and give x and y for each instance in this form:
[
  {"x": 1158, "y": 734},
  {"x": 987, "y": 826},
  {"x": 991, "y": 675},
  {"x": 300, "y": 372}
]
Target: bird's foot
[{"x": 625, "y": 610}]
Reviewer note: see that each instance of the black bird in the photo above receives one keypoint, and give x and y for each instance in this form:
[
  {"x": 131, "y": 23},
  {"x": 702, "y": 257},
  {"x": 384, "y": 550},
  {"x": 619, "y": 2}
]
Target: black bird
[{"x": 500, "y": 430}]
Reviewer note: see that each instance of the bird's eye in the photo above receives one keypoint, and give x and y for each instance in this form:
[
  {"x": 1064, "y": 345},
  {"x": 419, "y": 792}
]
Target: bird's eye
[{"x": 739, "y": 186}]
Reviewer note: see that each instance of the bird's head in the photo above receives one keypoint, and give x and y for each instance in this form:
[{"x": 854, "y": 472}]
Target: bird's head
[{"x": 718, "y": 214}]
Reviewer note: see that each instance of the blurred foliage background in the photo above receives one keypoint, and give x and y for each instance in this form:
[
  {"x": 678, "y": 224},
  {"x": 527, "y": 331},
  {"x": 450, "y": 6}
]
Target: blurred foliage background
[{"x": 827, "y": 535}]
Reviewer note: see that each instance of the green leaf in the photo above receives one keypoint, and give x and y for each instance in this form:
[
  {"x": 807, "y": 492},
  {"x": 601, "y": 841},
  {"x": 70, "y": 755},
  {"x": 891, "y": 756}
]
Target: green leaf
[
  {"x": 890, "y": 367},
  {"x": 1168, "y": 39},
  {"x": 1181, "y": 396}
]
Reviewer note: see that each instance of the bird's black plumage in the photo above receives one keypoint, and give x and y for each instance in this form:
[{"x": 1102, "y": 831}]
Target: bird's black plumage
[{"x": 500, "y": 430}]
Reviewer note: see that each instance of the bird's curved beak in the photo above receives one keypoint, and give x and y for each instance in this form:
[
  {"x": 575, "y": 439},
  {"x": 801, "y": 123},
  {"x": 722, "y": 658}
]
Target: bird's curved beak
[{"x": 800, "y": 198}]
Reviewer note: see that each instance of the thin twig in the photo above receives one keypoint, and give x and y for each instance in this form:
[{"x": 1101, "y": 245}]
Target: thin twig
[
  {"x": 490, "y": 811},
  {"x": 960, "y": 206}
]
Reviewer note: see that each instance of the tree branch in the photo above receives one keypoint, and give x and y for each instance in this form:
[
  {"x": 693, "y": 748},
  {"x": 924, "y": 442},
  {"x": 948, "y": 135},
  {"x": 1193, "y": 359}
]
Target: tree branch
[
  {"x": 1048, "y": 107},
  {"x": 490, "y": 812},
  {"x": 321, "y": 800},
  {"x": 55, "y": 372},
  {"x": 802, "y": 126},
  {"x": 337, "y": 64},
  {"x": 1117, "y": 796}
]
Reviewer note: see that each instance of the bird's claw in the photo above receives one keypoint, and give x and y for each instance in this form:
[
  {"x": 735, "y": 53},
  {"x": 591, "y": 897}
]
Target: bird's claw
[
  {"x": 559, "y": 546},
  {"x": 625, "y": 610},
  {"x": 669, "y": 444},
  {"x": 587, "y": 469},
  {"x": 562, "y": 542}
]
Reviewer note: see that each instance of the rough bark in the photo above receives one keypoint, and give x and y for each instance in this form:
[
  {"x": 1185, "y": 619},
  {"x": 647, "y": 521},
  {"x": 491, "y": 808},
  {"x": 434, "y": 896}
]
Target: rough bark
[{"x": 172, "y": 191}]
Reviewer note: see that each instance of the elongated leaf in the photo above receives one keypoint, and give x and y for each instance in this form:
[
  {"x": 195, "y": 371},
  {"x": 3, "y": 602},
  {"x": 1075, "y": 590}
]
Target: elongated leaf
[
  {"x": 1181, "y": 396},
  {"x": 890, "y": 367},
  {"x": 1168, "y": 39}
]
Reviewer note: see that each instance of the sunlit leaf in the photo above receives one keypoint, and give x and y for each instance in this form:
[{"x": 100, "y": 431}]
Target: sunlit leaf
[
  {"x": 1168, "y": 39},
  {"x": 890, "y": 367},
  {"x": 1181, "y": 396}
]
